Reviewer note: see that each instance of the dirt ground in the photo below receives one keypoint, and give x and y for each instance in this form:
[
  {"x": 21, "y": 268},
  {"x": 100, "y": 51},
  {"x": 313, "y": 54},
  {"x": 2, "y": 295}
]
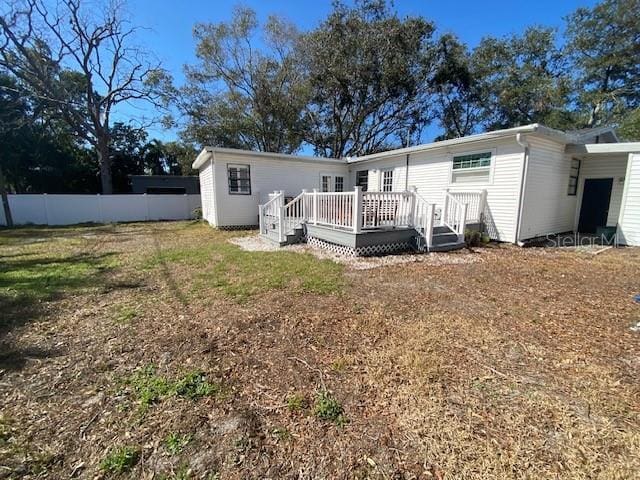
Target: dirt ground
[{"x": 161, "y": 350}]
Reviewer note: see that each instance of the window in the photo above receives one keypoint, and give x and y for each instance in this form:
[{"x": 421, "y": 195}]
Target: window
[
  {"x": 471, "y": 168},
  {"x": 574, "y": 173},
  {"x": 239, "y": 179},
  {"x": 387, "y": 180},
  {"x": 362, "y": 179},
  {"x": 338, "y": 184},
  {"x": 325, "y": 183}
]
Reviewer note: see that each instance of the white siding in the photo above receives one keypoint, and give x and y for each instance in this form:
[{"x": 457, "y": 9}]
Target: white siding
[
  {"x": 375, "y": 167},
  {"x": 548, "y": 208},
  {"x": 611, "y": 166},
  {"x": 430, "y": 172},
  {"x": 267, "y": 175},
  {"x": 207, "y": 191},
  {"x": 629, "y": 229}
]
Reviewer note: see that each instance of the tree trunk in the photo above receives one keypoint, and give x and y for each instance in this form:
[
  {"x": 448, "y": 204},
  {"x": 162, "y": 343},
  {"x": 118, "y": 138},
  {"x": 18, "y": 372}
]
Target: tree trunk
[
  {"x": 104, "y": 160},
  {"x": 5, "y": 201}
]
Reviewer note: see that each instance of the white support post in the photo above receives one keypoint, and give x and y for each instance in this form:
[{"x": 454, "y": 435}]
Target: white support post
[
  {"x": 412, "y": 206},
  {"x": 445, "y": 206},
  {"x": 463, "y": 222},
  {"x": 304, "y": 205},
  {"x": 281, "y": 223},
  {"x": 261, "y": 218},
  {"x": 315, "y": 206},
  {"x": 428, "y": 225},
  {"x": 357, "y": 209},
  {"x": 482, "y": 204}
]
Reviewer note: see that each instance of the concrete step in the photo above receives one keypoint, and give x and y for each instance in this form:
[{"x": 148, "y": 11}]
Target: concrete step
[
  {"x": 447, "y": 247},
  {"x": 442, "y": 238}
]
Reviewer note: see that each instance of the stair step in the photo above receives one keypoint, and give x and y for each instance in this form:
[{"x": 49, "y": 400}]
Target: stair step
[{"x": 447, "y": 247}]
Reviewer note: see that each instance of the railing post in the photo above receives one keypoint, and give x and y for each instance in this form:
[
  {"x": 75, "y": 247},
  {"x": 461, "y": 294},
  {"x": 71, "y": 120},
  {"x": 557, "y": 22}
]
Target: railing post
[
  {"x": 357, "y": 209},
  {"x": 445, "y": 207},
  {"x": 463, "y": 222},
  {"x": 304, "y": 205},
  {"x": 281, "y": 223},
  {"x": 482, "y": 203},
  {"x": 413, "y": 205},
  {"x": 315, "y": 206},
  {"x": 428, "y": 225},
  {"x": 261, "y": 218}
]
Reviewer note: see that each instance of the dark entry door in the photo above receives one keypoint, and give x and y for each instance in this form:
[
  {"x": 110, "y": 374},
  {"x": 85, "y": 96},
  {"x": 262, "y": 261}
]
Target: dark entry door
[{"x": 595, "y": 204}]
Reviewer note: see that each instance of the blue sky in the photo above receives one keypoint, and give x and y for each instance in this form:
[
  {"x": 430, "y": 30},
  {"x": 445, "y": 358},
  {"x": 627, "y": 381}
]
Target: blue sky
[{"x": 168, "y": 24}]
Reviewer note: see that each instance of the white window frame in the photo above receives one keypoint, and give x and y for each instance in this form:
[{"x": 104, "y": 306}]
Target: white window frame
[
  {"x": 367, "y": 176},
  {"x": 329, "y": 184},
  {"x": 238, "y": 166},
  {"x": 489, "y": 169},
  {"x": 382, "y": 172},
  {"x": 335, "y": 183}
]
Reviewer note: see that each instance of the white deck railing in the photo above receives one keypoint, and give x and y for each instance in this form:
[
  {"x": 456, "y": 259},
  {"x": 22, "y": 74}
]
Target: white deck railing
[
  {"x": 358, "y": 211},
  {"x": 476, "y": 201}
]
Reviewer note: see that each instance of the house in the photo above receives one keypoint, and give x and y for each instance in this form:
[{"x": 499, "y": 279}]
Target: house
[
  {"x": 165, "y": 184},
  {"x": 516, "y": 184}
]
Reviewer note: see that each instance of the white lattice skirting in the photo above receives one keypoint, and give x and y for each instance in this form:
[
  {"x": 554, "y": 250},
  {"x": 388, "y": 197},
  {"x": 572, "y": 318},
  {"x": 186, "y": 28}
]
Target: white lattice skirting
[{"x": 367, "y": 251}]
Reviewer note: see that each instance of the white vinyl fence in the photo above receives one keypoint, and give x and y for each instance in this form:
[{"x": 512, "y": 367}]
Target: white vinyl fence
[{"x": 43, "y": 209}]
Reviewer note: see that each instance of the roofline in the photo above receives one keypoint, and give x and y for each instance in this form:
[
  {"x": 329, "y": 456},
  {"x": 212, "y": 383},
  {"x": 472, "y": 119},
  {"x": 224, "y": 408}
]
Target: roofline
[
  {"x": 204, "y": 156},
  {"x": 162, "y": 176},
  {"x": 534, "y": 128},
  {"x": 595, "y": 148},
  {"x": 597, "y": 131}
]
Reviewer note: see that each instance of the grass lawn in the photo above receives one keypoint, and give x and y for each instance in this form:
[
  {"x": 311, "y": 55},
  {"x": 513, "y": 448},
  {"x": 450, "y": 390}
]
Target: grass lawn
[{"x": 160, "y": 350}]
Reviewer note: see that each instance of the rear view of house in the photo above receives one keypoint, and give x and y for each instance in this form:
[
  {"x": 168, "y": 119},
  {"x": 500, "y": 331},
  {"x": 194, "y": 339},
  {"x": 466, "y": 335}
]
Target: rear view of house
[{"x": 516, "y": 184}]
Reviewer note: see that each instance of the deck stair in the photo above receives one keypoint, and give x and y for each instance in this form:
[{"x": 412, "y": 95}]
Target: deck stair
[{"x": 353, "y": 215}]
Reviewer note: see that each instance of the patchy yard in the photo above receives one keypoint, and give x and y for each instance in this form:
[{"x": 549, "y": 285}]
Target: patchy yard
[{"x": 163, "y": 351}]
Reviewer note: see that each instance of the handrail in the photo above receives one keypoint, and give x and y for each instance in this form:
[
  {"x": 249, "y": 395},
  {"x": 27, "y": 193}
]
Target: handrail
[
  {"x": 270, "y": 209},
  {"x": 294, "y": 214},
  {"x": 423, "y": 218},
  {"x": 454, "y": 214}
]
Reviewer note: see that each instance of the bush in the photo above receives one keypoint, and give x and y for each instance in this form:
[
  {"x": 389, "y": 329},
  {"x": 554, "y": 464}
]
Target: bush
[
  {"x": 472, "y": 238},
  {"x": 328, "y": 408}
]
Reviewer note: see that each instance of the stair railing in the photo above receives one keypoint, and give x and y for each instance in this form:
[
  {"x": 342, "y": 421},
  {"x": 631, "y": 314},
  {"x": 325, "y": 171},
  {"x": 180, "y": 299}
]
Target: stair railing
[
  {"x": 454, "y": 215},
  {"x": 269, "y": 213},
  {"x": 423, "y": 218},
  {"x": 294, "y": 214}
]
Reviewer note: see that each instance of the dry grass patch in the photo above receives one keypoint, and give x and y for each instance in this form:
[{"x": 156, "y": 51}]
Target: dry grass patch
[{"x": 514, "y": 364}]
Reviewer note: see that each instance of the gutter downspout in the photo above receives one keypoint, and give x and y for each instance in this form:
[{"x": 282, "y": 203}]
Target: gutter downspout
[
  {"x": 406, "y": 173},
  {"x": 521, "y": 140}
]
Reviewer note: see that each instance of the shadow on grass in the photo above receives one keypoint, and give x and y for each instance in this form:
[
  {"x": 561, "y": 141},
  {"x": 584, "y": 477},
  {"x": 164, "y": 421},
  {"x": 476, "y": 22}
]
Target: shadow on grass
[{"x": 31, "y": 276}]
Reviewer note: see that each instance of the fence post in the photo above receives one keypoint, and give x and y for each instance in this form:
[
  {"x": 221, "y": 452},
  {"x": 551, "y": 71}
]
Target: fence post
[
  {"x": 146, "y": 201},
  {"x": 357, "y": 209},
  {"x": 482, "y": 205},
  {"x": 100, "y": 214},
  {"x": 428, "y": 226},
  {"x": 315, "y": 206},
  {"x": 46, "y": 208},
  {"x": 281, "y": 223}
]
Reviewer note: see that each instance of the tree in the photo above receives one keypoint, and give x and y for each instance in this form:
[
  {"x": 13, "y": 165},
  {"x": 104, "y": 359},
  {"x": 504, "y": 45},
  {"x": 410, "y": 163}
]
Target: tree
[
  {"x": 604, "y": 42},
  {"x": 523, "y": 79},
  {"x": 368, "y": 73},
  {"x": 456, "y": 89},
  {"x": 242, "y": 96},
  {"x": 82, "y": 62}
]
